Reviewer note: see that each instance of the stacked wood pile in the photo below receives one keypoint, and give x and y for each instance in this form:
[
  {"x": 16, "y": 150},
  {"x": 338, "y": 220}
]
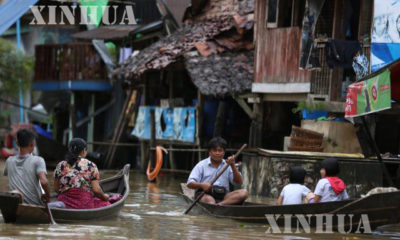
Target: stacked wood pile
[{"x": 305, "y": 140}]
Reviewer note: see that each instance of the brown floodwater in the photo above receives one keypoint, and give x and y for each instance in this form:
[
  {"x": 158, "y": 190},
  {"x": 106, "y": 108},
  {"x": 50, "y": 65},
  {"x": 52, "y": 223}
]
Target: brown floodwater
[{"x": 155, "y": 211}]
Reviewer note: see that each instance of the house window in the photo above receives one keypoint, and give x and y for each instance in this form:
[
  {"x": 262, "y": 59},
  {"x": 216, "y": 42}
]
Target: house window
[
  {"x": 284, "y": 13},
  {"x": 272, "y": 13}
]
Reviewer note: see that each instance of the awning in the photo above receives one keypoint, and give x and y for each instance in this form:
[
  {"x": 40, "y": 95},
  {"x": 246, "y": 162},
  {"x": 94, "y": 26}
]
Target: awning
[
  {"x": 374, "y": 93},
  {"x": 11, "y": 11},
  {"x": 106, "y": 32}
]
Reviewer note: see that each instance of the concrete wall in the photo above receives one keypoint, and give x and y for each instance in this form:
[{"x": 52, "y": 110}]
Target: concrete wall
[
  {"x": 266, "y": 175},
  {"x": 339, "y": 137}
]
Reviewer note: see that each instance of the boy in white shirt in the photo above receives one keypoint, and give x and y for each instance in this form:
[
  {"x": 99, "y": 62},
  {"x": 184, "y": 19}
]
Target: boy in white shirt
[
  {"x": 295, "y": 191},
  {"x": 330, "y": 187}
]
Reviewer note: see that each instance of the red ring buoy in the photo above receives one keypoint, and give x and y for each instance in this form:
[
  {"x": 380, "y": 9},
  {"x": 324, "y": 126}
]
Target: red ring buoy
[{"x": 159, "y": 161}]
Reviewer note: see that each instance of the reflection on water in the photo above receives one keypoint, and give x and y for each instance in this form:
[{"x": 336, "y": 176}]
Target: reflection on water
[{"x": 155, "y": 211}]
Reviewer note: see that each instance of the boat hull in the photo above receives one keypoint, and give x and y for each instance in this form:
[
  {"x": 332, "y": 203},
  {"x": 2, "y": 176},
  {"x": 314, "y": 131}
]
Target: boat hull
[
  {"x": 378, "y": 209},
  {"x": 12, "y": 211}
]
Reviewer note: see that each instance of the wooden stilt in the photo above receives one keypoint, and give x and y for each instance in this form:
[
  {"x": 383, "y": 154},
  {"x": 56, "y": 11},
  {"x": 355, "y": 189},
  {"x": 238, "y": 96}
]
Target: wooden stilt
[
  {"x": 72, "y": 118},
  {"x": 220, "y": 119},
  {"x": 118, "y": 131},
  {"x": 171, "y": 159},
  {"x": 255, "y": 137},
  {"x": 152, "y": 136},
  {"x": 170, "y": 76},
  {"x": 143, "y": 155},
  {"x": 377, "y": 152},
  {"x": 90, "y": 129},
  {"x": 199, "y": 122}
]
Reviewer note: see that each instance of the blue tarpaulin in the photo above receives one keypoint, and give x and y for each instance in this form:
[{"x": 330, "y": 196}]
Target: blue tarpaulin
[
  {"x": 11, "y": 11},
  {"x": 178, "y": 123}
]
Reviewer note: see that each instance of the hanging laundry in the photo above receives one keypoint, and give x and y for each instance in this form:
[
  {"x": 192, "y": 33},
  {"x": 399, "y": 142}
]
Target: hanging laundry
[
  {"x": 340, "y": 53},
  {"x": 360, "y": 65},
  {"x": 311, "y": 13}
]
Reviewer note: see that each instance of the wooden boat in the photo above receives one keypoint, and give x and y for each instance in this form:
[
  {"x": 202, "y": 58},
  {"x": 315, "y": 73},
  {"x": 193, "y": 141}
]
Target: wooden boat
[
  {"x": 381, "y": 209},
  {"x": 12, "y": 211}
]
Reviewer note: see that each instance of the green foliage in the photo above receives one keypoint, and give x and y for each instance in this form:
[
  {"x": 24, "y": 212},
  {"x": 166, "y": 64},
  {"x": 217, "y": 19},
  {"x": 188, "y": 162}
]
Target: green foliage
[
  {"x": 112, "y": 50},
  {"x": 309, "y": 105},
  {"x": 14, "y": 66}
]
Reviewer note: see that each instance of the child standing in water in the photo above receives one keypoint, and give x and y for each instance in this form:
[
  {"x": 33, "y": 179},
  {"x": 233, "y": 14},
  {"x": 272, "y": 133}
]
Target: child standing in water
[
  {"x": 295, "y": 191},
  {"x": 330, "y": 187}
]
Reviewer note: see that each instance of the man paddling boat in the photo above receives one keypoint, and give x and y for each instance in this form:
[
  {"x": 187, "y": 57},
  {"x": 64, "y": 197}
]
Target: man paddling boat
[
  {"x": 203, "y": 173},
  {"x": 26, "y": 172}
]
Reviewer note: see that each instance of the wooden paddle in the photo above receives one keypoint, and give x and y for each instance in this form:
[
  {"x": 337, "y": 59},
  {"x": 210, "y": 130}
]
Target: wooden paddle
[
  {"x": 215, "y": 179},
  {"x": 51, "y": 219}
]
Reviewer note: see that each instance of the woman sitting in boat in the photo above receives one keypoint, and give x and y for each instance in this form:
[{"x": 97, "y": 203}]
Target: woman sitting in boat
[
  {"x": 76, "y": 179},
  {"x": 295, "y": 191},
  {"x": 330, "y": 187},
  {"x": 203, "y": 173}
]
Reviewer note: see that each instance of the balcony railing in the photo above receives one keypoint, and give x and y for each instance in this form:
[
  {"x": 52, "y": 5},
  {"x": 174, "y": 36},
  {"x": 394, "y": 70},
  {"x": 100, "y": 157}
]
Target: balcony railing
[{"x": 68, "y": 62}]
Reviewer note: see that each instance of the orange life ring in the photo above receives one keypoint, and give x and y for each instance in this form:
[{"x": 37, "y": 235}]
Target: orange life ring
[{"x": 159, "y": 161}]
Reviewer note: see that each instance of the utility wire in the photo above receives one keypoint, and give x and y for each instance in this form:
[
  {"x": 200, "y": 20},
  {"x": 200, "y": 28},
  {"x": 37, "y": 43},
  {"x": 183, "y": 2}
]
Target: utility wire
[{"x": 24, "y": 107}]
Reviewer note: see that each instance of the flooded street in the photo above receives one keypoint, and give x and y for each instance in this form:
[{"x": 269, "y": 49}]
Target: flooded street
[{"x": 155, "y": 211}]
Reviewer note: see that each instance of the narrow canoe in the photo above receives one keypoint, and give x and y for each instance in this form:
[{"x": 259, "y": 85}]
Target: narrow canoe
[
  {"x": 24, "y": 213},
  {"x": 381, "y": 209}
]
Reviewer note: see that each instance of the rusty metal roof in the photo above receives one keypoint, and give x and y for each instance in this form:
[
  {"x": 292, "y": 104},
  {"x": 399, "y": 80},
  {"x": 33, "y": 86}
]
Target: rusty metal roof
[
  {"x": 216, "y": 48},
  {"x": 170, "y": 48}
]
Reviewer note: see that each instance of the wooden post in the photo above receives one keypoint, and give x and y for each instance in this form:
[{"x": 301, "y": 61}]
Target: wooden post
[
  {"x": 338, "y": 32},
  {"x": 377, "y": 152},
  {"x": 171, "y": 88},
  {"x": 171, "y": 158},
  {"x": 199, "y": 122},
  {"x": 90, "y": 129},
  {"x": 143, "y": 155},
  {"x": 152, "y": 136},
  {"x": 171, "y": 103},
  {"x": 72, "y": 118},
  {"x": 220, "y": 119},
  {"x": 118, "y": 131},
  {"x": 258, "y": 123}
]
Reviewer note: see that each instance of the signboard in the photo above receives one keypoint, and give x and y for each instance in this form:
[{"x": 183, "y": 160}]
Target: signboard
[
  {"x": 385, "y": 43},
  {"x": 171, "y": 123},
  {"x": 372, "y": 95}
]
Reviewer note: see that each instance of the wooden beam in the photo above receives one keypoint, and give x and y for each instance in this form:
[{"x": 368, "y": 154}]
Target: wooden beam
[
  {"x": 245, "y": 107},
  {"x": 143, "y": 155},
  {"x": 126, "y": 111},
  {"x": 220, "y": 119},
  {"x": 152, "y": 135},
  {"x": 90, "y": 129},
  {"x": 72, "y": 117},
  {"x": 281, "y": 87},
  {"x": 287, "y": 97},
  {"x": 199, "y": 121}
]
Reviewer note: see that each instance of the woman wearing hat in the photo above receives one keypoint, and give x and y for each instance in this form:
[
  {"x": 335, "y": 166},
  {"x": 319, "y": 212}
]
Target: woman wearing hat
[{"x": 76, "y": 179}]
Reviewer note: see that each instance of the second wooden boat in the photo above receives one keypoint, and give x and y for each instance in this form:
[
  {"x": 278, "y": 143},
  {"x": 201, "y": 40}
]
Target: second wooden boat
[
  {"x": 12, "y": 211},
  {"x": 379, "y": 209}
]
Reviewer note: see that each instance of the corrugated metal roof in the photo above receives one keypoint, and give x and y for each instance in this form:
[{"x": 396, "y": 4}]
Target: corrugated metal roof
[
  {"x": 11, "y": 11},
  {"x": 170, "y": 48}
]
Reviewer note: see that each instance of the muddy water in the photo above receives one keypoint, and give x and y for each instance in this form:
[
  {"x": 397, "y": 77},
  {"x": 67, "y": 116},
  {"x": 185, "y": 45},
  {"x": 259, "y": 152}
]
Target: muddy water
[{"x": 154, "y": 211}]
